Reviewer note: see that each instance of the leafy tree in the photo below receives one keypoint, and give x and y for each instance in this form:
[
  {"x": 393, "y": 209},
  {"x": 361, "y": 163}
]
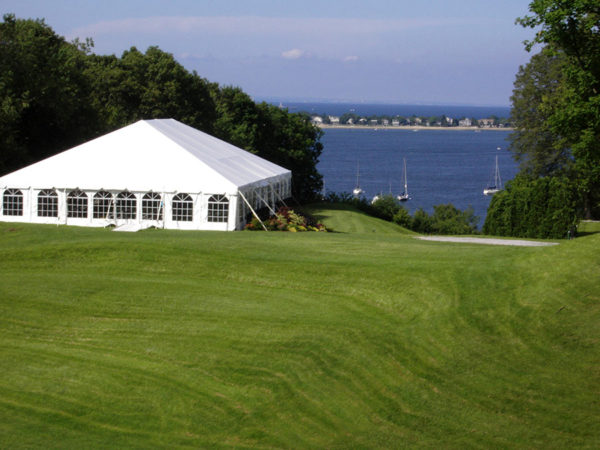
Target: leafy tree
[
  {"x": 149, "y": 86},
  {"x": 534, "y": 143},
  {"x": 421, "y": 222},
  {"x": 344, "y": 118},
  {"x": 386, "y": 207},
  {"x": 43, "y": 92},
  {"x": 286, "y": 139},
  {"x": 56, "y": 95},
  {"x": 545, "y": 207},
  {"x": 291, "y": 141},
  {"x": 572, "y": 27},
  {"x": 447, "y": 219},
  {"x": 402, "y": 218},
  {"x": 237, "y": 117}
]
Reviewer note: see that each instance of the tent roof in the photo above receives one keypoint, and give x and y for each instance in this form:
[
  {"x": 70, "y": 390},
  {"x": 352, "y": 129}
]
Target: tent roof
[{"x": 162, "y": 155}]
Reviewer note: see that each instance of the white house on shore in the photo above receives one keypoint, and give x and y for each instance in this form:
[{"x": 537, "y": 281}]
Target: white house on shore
[{"x": 153, "y": 173}]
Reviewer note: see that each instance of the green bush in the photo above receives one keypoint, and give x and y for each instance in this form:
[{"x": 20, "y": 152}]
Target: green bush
[
  {"x": 421, "y": 222},
  {"x": 402, "y": 218},
  {"x": 545, "y": 207},
  {"x": 447, "y": 219},
  {"x": 286, "y": 219},
  {"x": 385, "y": 207}
]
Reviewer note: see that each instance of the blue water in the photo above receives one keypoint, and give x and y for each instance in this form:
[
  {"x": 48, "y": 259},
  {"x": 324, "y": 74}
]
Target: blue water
[
  {"x": 366, "y": 109},
  {"x": 442, "y": 166}
]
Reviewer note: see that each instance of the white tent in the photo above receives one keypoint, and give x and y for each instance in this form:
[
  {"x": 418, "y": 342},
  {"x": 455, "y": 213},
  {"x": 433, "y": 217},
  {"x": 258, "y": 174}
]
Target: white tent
[{"x": 152, "y": 173}]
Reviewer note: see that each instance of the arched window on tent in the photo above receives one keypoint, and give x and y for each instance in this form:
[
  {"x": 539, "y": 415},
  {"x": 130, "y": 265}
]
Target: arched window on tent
[
  {"x": 218, "y": 208},
  {"x": 12, "y": 202},
  {"x": 152, "y": 206},
  {"x": 103, "y": 202},
  {"x": 77, "y": 204},
  {"x": 183, "y": 208},
  {"x": 126, "y": 205},
  {"x": 47, "y": 204}
]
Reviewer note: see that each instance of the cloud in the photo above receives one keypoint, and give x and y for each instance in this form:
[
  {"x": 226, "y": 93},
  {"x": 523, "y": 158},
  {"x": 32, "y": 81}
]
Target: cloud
[
  {"x": 352, "y": 58},
  {"x": 294, "y": 53},
  {"x": 225, "y": 25}
]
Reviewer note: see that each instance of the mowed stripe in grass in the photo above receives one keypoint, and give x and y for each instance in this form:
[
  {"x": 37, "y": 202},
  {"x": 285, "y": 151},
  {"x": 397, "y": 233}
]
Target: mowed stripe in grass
[{"x": 166, "y": 338}]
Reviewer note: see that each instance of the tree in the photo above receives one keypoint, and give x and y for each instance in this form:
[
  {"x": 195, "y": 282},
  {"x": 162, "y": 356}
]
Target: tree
[
  {"x": 289, "y": 140},
  {"x": 447, "y": 219},
  {"x": 386, "y": 207},
  {"x": 149, "y": 86},
  {"x": 534, "y": 143},
  {"x": 55, "y": 95},
  {"x": 44, "y": 94},
  {"x": 421, "y": 222},
  {"x": 545, "y": 207},
  {"x": 573, "y": 28},
  {"x": 402, "y": 218}
]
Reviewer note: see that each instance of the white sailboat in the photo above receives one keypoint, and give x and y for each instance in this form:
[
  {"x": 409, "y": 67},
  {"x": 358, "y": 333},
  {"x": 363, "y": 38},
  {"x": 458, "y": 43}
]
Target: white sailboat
[
  {"x": 380, "y": 195},
  {"x": 496, "y": 186},
  {"x": 357, "y": 190},
  {"x": 404, "y": 195}
]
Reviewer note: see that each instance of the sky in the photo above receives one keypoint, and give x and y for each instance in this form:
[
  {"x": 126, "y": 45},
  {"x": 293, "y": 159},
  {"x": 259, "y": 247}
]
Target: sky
[{"x": 460, "y": 52}]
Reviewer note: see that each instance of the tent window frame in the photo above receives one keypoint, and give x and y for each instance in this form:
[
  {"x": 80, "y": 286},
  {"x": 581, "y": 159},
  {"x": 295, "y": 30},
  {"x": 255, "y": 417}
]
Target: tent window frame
[
  {"x": 47, "y": 203},
  {"x": 77, "y": 204},
  {"x": 182, "y": 208},
  {"x": 12, "y": 202},
  {"x": 218, "y": 208},
  {"x": 126, "y": 205},
  {"x": 152, "y": 206},
  {"x": 103, "y": 202}
]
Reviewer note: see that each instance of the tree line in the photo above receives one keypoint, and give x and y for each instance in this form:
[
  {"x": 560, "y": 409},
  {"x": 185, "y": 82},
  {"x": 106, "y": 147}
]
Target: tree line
[
  {"x": 56, "y": 94},
  {"x": 556, "y": 116}
]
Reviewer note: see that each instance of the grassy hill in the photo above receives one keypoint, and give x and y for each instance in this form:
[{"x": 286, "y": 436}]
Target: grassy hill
[{"x": 254, "y": 339}]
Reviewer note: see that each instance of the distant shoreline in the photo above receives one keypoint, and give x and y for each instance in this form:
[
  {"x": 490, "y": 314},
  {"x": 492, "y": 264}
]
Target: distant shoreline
[{"x": 404, "y": 127}]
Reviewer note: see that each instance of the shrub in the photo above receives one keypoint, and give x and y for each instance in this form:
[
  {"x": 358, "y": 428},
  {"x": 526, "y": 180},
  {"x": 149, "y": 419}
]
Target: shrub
[
  {"x": 385, "y": 207},
  {"x": 447, "y": 219},
  {"x": 540, "y": 208},
  {"x": 286, "y": 219},
  {"x": 421, "y": 222},
  {"x": 402, "y": 218}
]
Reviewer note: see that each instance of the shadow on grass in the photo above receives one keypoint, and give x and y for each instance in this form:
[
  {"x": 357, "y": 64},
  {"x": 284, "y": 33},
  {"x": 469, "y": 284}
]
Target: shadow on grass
[{"x": 586, "y": 233}]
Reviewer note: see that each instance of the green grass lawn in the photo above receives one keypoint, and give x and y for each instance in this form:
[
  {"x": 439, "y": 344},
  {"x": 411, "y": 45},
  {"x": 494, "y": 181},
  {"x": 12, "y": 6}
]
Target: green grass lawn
[{"x": 364, "y": 339}]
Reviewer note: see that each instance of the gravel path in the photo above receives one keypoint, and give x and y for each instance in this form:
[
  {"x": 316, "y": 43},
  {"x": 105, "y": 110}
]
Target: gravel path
[{"x": 488, "y": 241}]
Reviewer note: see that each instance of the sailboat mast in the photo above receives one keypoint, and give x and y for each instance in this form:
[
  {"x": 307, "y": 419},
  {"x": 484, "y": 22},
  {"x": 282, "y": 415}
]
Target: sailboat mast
[
  {"x": 498, "y": 180},
  {"x": 405, "y": 183}
]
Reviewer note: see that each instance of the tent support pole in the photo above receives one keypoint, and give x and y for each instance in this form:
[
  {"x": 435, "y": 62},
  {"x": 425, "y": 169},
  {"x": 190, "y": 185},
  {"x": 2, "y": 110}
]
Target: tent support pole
[
  {"x": 268, "y": 206},
  {"x": 253, "y": 212},
  {"x": 278, "y": 196}
]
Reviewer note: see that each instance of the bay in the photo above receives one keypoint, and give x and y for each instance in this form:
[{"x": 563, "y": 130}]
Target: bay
[{"x": 443, "y": 166}]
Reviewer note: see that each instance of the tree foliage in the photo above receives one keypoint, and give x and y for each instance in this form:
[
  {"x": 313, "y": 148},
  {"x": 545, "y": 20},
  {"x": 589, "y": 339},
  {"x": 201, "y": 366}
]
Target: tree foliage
[
  {"x": 535, "y": 208},
  {"x": 534, "y": 143},
  {"x": 571, "y": 28},
  {"x": 57, "y": 94},
  {"x": 289, "y": 140},
  {"x": 43, "y": 93},
  {"x": 149, "y": 85},
  {"x": 446, "y": 219}
]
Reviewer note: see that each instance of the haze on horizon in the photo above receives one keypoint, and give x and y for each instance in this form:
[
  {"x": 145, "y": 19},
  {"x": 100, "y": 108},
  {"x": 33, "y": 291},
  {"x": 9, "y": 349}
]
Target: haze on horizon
[{"x": 463, "y": 52}]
